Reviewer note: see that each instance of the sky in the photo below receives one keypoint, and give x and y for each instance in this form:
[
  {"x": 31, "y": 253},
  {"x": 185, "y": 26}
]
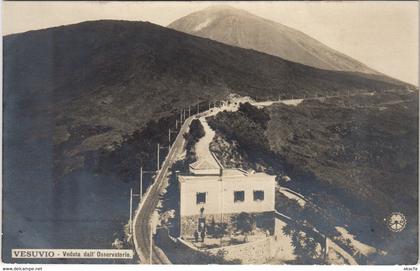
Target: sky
[{"x": 383, "y": 35}]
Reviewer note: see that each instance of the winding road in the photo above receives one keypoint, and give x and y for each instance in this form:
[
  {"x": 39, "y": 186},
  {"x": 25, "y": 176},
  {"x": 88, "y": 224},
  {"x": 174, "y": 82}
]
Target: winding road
[
  {"x": 142, "y": 223},
  {"x": 143, "y": 218}
]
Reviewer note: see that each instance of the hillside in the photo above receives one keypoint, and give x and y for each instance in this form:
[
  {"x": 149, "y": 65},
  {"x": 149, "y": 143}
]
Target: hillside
[
  {"x": 240, "y": 28},
  {"x": 86, "y": 104},
  {"x": 354, "y": 157},
  {"x": 92, "y": 83}
]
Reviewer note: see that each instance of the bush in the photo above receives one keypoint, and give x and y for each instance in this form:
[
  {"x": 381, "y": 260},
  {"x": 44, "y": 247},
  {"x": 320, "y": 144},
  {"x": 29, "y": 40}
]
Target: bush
[
  {"x": 259, "y": 116},
  {"x": 244, "y": 222},
  {"x": 196, "y": 129},
  {"x": 195, "y": 133},
  {"x": 237, "y": 126}
]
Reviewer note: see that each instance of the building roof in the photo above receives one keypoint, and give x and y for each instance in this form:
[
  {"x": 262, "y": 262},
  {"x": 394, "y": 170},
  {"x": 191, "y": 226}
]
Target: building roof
[
  {"x": 231, "y": 174},
  {"x": 203, "y": 164}
]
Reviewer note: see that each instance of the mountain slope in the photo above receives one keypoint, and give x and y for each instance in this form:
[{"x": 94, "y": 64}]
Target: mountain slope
[
  {"x": 86, "y": 104},
  {"x": 92, "y": 83},
  {"x": 355, "y": 158},
  {"x": 243, "y": 29}
]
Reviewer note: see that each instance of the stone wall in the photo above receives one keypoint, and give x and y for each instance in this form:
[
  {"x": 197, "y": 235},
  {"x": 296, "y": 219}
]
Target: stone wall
[
  {"x": 258, "y": 252},
  {"x": 189, "y": 224}
]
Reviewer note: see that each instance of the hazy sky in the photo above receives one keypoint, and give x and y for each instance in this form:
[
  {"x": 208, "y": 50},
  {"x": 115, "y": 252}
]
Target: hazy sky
[{"x": 383, "y": 35}]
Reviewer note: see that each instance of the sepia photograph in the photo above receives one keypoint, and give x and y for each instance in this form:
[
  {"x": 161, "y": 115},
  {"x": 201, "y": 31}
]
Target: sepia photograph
[{"x": 196, "y": 133}]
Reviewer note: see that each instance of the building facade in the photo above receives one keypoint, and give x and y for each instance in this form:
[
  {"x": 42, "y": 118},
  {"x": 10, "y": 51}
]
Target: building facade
[{"x": 211, "y": 194}]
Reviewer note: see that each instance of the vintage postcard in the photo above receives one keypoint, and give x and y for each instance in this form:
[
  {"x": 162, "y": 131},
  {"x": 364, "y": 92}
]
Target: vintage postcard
[{"x": 210, "y": 133}]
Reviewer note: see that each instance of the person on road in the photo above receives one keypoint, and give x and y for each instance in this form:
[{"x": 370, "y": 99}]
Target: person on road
[
  {"x": 196, "y": 236},
  {"x": 203, "y": 234}
]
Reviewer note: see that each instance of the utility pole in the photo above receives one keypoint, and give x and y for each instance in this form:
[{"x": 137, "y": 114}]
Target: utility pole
[
  {"x": 325, "y": 247},
  {"x": 184, "y": 114},
  {"x": 189, "y": 111},
  {"x": 151, "y": 246},
  {"x": 221, "y": 205},
  {"x": 141, "y": 183},
  {"x": 131, "y": 211},
  {"x": 180, "y": 117},
  {"x": 176, "y": 124},
  {"x": 158, "y": 162},
  {"x": 170, "y": 137}
]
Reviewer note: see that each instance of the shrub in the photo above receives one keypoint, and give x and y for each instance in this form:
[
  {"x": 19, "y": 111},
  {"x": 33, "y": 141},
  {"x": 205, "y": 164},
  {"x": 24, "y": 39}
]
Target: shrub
[
  {"x": 259, "y": 116},
  {"x": 196, "y": 129},
  {"x": 236, "y": 126},
  {"x": 244, "y": 222},
  {"x": 195, "y": 133}
]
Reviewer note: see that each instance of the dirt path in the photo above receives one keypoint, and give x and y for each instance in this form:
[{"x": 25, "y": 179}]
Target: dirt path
[{"x": 202, "y": 147}]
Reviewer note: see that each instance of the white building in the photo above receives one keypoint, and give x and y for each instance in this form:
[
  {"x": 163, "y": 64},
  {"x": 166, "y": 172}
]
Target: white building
[{"x": 212, "y": 194}]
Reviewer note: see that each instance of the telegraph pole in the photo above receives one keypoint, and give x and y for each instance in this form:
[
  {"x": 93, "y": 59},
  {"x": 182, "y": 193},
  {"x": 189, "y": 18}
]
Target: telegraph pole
[
  {"x": 170, "y": 137},
  {"x": 158, "y": 162},
  {"x": 151, "y": 246},
  {"x": 184, "y": 113},
  {"x": 141, "y": 183},
  {"x": 131, "y": 211},
  {"x": 221, "y": 207},
  {"x": 189, "y": 111},
  {"x": 176, "y": 124}
]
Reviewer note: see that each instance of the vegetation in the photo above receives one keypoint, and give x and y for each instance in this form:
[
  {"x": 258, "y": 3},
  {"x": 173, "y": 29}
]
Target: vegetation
[
  {"x": 244, "y": 222},
  {"x": 244, "y": 129},
  {"x": 101, "y": 80},
  {"x": 259, "y": 116},
  {"x": 97, "y": 116},
  {"x": 248, "y": 131},
  {"x": 138, "y": 149},
  {"x": 306, "y": 247},
  {"x": 195, "y": 132},
  {"x": 354, "y": 158},
  {"x": 218, "y": 230}
]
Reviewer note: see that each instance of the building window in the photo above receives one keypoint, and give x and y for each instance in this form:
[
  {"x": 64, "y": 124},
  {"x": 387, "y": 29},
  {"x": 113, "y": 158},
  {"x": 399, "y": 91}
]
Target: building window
[
  {"x": 238, "y": 196},
  {"x": 258, "y": 195},
  {"x": 201, "y": 198}
]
